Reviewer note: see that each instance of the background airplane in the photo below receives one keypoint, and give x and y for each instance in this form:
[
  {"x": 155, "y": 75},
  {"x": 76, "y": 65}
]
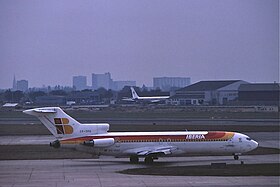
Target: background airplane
[
  {"x": 152, "y": 99},
  {"x": 96, "y": 139}
]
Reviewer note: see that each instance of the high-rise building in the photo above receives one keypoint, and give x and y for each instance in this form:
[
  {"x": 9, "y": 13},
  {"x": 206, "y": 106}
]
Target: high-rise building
[
  {"x": 14, "y": 84},
  {"x": 22, "y": 85},
  {"x": 167, "y": 83},
  {"x": 80, "y": 82},
  {"x": 101, "y": 80},
  {"x": 118, "y": 85}
]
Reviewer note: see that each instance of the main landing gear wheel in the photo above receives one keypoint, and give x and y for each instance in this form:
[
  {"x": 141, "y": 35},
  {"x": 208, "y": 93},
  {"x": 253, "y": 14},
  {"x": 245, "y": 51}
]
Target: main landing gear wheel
[
  {"x": 236, "y": 157},
  {"x": 149, "y": 160},
  {"x": 134, "y": 159}
]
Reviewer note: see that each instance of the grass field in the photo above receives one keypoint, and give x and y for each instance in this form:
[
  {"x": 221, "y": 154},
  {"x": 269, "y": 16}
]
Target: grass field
[
  {"x": 143, "y": 119},
  {"x": 153, "y": 113}
]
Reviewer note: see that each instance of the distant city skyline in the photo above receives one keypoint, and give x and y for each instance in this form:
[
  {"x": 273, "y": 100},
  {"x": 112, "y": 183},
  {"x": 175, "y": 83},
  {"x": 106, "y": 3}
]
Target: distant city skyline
[
  {"x": 79, "y": 82},
  {"x": 48, "y": 42},
  {"x": 89, "y": 83}
]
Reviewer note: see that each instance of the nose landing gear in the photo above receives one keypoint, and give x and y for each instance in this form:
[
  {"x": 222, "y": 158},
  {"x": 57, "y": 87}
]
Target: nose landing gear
[{"x": 236, "y": 156}]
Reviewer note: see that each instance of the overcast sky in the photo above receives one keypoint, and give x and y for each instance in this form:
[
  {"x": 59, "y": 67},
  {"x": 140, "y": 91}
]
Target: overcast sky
[{"x": 48, "y": 42}]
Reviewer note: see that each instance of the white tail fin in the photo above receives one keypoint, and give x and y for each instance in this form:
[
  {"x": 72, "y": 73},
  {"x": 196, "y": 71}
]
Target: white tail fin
[
  {"x": 63, "y": 126},
  {"x": 56, "y": 120},
  {"x": 134, "y": 94}
]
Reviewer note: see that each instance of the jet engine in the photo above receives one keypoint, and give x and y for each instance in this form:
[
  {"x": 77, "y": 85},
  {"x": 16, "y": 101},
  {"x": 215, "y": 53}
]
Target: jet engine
[
  {"x": 104, "y": 142},
  {"x": 55, "y": 144}
]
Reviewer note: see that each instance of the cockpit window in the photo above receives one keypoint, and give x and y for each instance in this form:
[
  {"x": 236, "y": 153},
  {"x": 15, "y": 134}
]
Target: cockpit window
[{"x": 248, "y": 139}]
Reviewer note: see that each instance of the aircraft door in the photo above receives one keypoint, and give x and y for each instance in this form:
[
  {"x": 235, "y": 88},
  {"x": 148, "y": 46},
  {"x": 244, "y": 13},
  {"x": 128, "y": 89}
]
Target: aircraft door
[{"x": 160, "y": 141}]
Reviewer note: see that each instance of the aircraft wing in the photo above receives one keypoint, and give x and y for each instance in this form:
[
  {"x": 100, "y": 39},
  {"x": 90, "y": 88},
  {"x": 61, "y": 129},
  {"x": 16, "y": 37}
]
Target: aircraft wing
[
  {"x": 157, "y": 150},
  {"x": 155, "y": 101},
  {"x": 128, "y": 99}
]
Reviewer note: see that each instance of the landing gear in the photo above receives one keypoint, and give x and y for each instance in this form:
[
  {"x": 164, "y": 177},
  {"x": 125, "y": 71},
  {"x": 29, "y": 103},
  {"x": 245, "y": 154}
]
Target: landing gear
[
  {"x": 149, "y": 160},
  {"x": 55, "y": 144},
  {"x": 236, "y": 157},
  {"x": 134, "y": 159}
]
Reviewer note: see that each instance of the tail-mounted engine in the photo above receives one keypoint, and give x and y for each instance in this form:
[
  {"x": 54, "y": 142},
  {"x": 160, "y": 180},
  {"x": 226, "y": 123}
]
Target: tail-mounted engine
[
  {"x": 55, "y": 144},
  {"x": 104, "y": 142}
]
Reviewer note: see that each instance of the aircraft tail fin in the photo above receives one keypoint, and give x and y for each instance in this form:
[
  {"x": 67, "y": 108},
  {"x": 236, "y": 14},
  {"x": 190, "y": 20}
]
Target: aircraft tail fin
[
  {"x": 134, "y": 94},
  {"x": 56, "y": 120}
]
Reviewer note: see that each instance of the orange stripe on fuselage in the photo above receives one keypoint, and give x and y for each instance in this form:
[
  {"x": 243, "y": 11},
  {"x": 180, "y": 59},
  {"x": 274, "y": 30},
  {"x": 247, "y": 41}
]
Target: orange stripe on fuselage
[{"x": 219, "y": 135}]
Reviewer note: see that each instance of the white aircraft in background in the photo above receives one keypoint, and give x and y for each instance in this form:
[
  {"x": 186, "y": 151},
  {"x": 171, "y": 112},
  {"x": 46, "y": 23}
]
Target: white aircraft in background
[
  {"x": 153, "y": 99},
  {"x": 95, "y": 139}
]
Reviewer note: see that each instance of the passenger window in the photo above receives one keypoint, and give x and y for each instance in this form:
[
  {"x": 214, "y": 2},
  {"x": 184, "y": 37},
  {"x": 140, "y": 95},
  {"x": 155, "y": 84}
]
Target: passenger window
[{"x": 249, "y": 139}]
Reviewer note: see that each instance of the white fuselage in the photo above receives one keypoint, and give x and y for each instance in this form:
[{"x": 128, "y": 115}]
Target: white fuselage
[
  {"x": 153, "y": 99},
  {"x": 180, "y": 143}
]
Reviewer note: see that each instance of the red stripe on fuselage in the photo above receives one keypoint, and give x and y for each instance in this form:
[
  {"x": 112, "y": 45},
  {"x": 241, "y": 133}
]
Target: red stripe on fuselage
[
  {"x": 214, "y": 135},
  {"x": 132, "y": 137},
  {"x": 208, "y": 136}
]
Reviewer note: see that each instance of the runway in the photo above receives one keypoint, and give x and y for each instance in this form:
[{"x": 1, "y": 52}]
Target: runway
[{"x": 103, "y": 173}]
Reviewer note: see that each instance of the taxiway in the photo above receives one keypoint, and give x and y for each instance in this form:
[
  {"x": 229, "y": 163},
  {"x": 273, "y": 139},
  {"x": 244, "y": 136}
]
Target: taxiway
[{"x": 104, "y": 173}]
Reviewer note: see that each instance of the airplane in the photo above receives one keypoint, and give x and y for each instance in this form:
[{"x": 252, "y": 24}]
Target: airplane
[
  {"x": 95, "y": 139},
  {"x": 152, "y": 99}
]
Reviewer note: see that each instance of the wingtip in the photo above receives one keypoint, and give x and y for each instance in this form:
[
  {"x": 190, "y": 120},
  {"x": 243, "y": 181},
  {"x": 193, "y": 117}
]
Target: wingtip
[{"x": 29, "y": 111}]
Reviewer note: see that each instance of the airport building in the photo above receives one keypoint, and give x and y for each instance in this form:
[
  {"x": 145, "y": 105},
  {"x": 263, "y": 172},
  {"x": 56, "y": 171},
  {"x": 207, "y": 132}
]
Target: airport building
[
  {"x": 80, "y": 82},
  {"x": 169, "y": 83},
  {"x": 207, "y": 93},
  {"x": 84, "y": 97},
  {"x": 50, "y": 100},
  {"x": 101, "y": 81},
  {"x": 259, "y": 94}
]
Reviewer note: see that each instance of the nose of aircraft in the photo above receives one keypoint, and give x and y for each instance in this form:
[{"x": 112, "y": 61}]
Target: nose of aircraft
[{"x": 254, "y": 144}]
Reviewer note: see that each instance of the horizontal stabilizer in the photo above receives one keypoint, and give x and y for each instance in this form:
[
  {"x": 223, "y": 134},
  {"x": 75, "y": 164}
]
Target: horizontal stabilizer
[
  {"x": 45, "y": 110},
  {"x": 39, "y": 110}
]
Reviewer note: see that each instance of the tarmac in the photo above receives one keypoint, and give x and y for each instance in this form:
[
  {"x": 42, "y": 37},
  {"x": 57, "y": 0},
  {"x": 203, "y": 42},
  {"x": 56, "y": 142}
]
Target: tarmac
[{"x": 103, "y": 172}]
